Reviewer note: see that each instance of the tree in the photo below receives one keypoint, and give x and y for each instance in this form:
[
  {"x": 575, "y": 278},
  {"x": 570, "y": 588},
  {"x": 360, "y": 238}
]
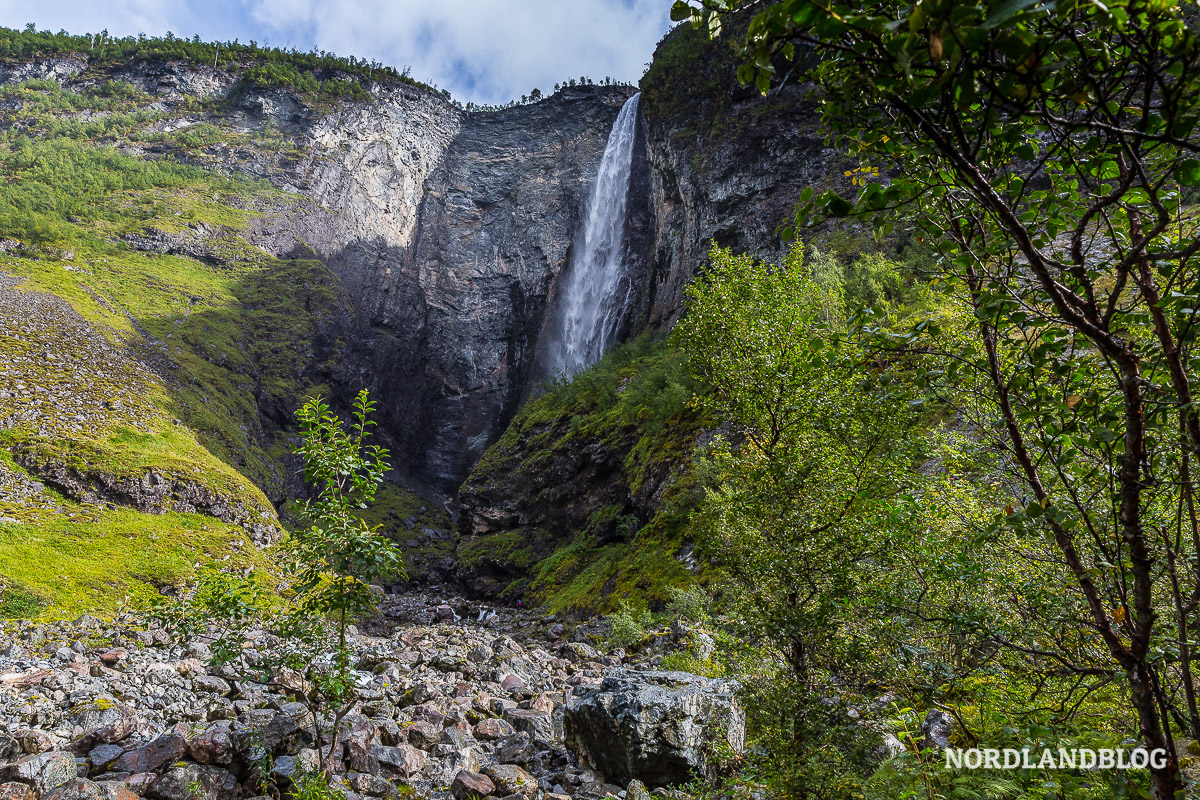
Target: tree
[
  {"x": 1048, "y": 151},
  {"x": 330, "y": 565},
  {"x": 816, "y": 461}
]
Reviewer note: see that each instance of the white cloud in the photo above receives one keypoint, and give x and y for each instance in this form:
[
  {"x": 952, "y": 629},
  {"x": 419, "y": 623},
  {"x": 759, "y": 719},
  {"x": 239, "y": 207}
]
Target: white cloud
[{"x": 482, "y": 50}]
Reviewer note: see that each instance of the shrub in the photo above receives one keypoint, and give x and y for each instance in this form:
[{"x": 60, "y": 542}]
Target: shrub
[
  {"x": 688, "y": 604},
  {"x": 627, "y": 627}
]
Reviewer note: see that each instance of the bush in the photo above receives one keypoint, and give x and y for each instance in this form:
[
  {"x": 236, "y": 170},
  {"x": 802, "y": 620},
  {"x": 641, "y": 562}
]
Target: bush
[
  {"x": 17, "y": 602},
  {"x": 627, "y": 627},
  {"x": 688, "y": 604}
]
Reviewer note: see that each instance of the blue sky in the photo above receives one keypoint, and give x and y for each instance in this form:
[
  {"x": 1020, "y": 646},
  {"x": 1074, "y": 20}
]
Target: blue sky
[{"x": 487, "y": 51}]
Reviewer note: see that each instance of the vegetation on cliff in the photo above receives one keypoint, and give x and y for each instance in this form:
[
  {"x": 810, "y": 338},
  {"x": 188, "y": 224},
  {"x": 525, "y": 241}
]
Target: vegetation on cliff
[
  {"x": 1046, "y": 151},
  {"x": 151, "y": 356},
  {"x": 596, "y": 484},
  {"x": 315, "y": 75}
]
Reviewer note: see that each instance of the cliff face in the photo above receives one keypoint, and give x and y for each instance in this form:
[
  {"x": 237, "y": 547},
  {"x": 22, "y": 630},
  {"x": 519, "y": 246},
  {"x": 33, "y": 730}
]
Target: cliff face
[
  {"x": 447, "y": 230},
  {"x": 584, "y": 501},
  {"x": 726, "y": 164}
]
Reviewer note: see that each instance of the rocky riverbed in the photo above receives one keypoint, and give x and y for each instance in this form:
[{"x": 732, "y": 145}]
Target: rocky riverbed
[{"x": 453, "y": 700}]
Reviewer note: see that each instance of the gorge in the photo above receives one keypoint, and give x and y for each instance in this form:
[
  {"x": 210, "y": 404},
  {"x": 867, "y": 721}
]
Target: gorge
[{"x": 448, "y": 261}]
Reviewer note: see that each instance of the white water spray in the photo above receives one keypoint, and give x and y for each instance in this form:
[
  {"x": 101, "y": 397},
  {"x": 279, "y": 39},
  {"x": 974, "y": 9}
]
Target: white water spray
[{"x": 598, "y": 289}]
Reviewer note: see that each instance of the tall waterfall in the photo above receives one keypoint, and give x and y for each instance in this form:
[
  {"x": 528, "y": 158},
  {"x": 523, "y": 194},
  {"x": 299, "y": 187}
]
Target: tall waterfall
[{"x": 597, "y": 288}]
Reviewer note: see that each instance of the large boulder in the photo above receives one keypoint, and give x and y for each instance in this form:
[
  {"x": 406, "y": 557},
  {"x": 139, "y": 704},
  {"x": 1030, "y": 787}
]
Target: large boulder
[
  {"x": 42, "y": 771},
  {"x": 657, "y": 727},
  {"x": 194, "y": 782},
  {"x": 104, "y": 721},
  {"x": 152, "y": 756}
]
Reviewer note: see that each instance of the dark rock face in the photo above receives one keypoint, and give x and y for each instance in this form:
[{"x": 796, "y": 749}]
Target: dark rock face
[
  {"x": 495, "y": 231},
  {"x": 448, "y": 229},
  {"x": 725, "y": 163},
  {"x": 656, "y": 727}
]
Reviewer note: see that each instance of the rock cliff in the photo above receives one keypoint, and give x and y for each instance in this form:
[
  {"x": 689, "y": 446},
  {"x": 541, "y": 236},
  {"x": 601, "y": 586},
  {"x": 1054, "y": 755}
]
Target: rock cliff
[
  {"x": 583, "y": 503},
  {"x": 382, "y": 238},
  {"x": 726, "y": 164},
  {"x": 446, "y": 228}
]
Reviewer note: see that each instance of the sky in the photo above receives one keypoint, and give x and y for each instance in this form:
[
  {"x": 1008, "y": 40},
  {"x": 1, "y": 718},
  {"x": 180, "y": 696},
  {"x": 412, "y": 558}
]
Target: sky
[{"x": 485, "y": 51}]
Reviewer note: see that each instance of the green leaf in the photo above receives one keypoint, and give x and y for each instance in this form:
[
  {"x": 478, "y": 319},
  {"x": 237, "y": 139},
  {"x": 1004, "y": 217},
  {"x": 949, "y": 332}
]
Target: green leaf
[
  {"x": 837, "y": 206},
  {"x": 1188, "y": 172}
]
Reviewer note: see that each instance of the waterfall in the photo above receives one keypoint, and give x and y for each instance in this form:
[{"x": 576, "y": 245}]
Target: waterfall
[{"x": 597, "y": 289}]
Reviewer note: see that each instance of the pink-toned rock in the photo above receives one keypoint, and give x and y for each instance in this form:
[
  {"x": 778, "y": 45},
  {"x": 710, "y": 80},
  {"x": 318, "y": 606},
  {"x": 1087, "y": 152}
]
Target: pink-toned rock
[
  {"x": 542, "y": 703},
  {"x": 140, "y": 783},
  {"x": 24, "y": 680},
  {"x": 152, "y": 756},
  {"x": 110, "y": 658},
  {"x": 34, "y": 741},
  {"x": 493, "y": 729},
  {"x": 471, "y": 785},
  {"x": 511, "y": 682},
  {"x": 212, "y": 746},
  {"x": 77, "y": 789},
  {"x": 15, "y": 791},
  {"x": 111, "y": 790}
]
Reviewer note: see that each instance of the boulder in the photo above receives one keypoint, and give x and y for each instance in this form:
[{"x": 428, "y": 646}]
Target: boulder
[
  {"x": 104, "y": 722},
  {"x": 577, "y": 651},
  {"x": 357, "y": 734},
  {"x": 487, "y": 729},
  {"x": 112, "y": 790},
  {"x": 35, "y": 741},
  {"x": 42, "y": 771},
  {"x": 658, "y": 727},
  {"x": 423, "y": 733},
  {"x": 371, "y": 785},
  {"x": 102, "y": 755},
  {"x": 194, "y": 782},
  {"x": 278, "y": 732},
  {"x": 10, "y": 748},
  {"x": 212, "y": 746},
  {"x": 511, "y": 779},
  {"x": 937, "y": 729},
  {"x": 402, "y": 760},
  {"x": 76, "y": 789},
  {"x": 638, "y": 791},
  {"x": 515, "y": 749},
  {"x": 210, "y": 684},
  {"x": 152, "y": 756},
  {"x": 15, "y": 791},
  {"x": 468, "y": 785},
  {"x": 537, "y": 724},
  {"x": 442, "y": 772}
]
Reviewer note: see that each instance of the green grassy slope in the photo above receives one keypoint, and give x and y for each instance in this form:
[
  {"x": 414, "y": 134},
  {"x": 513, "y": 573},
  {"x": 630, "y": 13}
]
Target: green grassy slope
[{"x": 144, "y": 396}]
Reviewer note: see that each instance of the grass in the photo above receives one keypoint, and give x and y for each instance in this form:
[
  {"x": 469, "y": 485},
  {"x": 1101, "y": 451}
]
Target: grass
[
  {"x": 316, "y": 76},
  {"x": 63, "y": 567}
]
